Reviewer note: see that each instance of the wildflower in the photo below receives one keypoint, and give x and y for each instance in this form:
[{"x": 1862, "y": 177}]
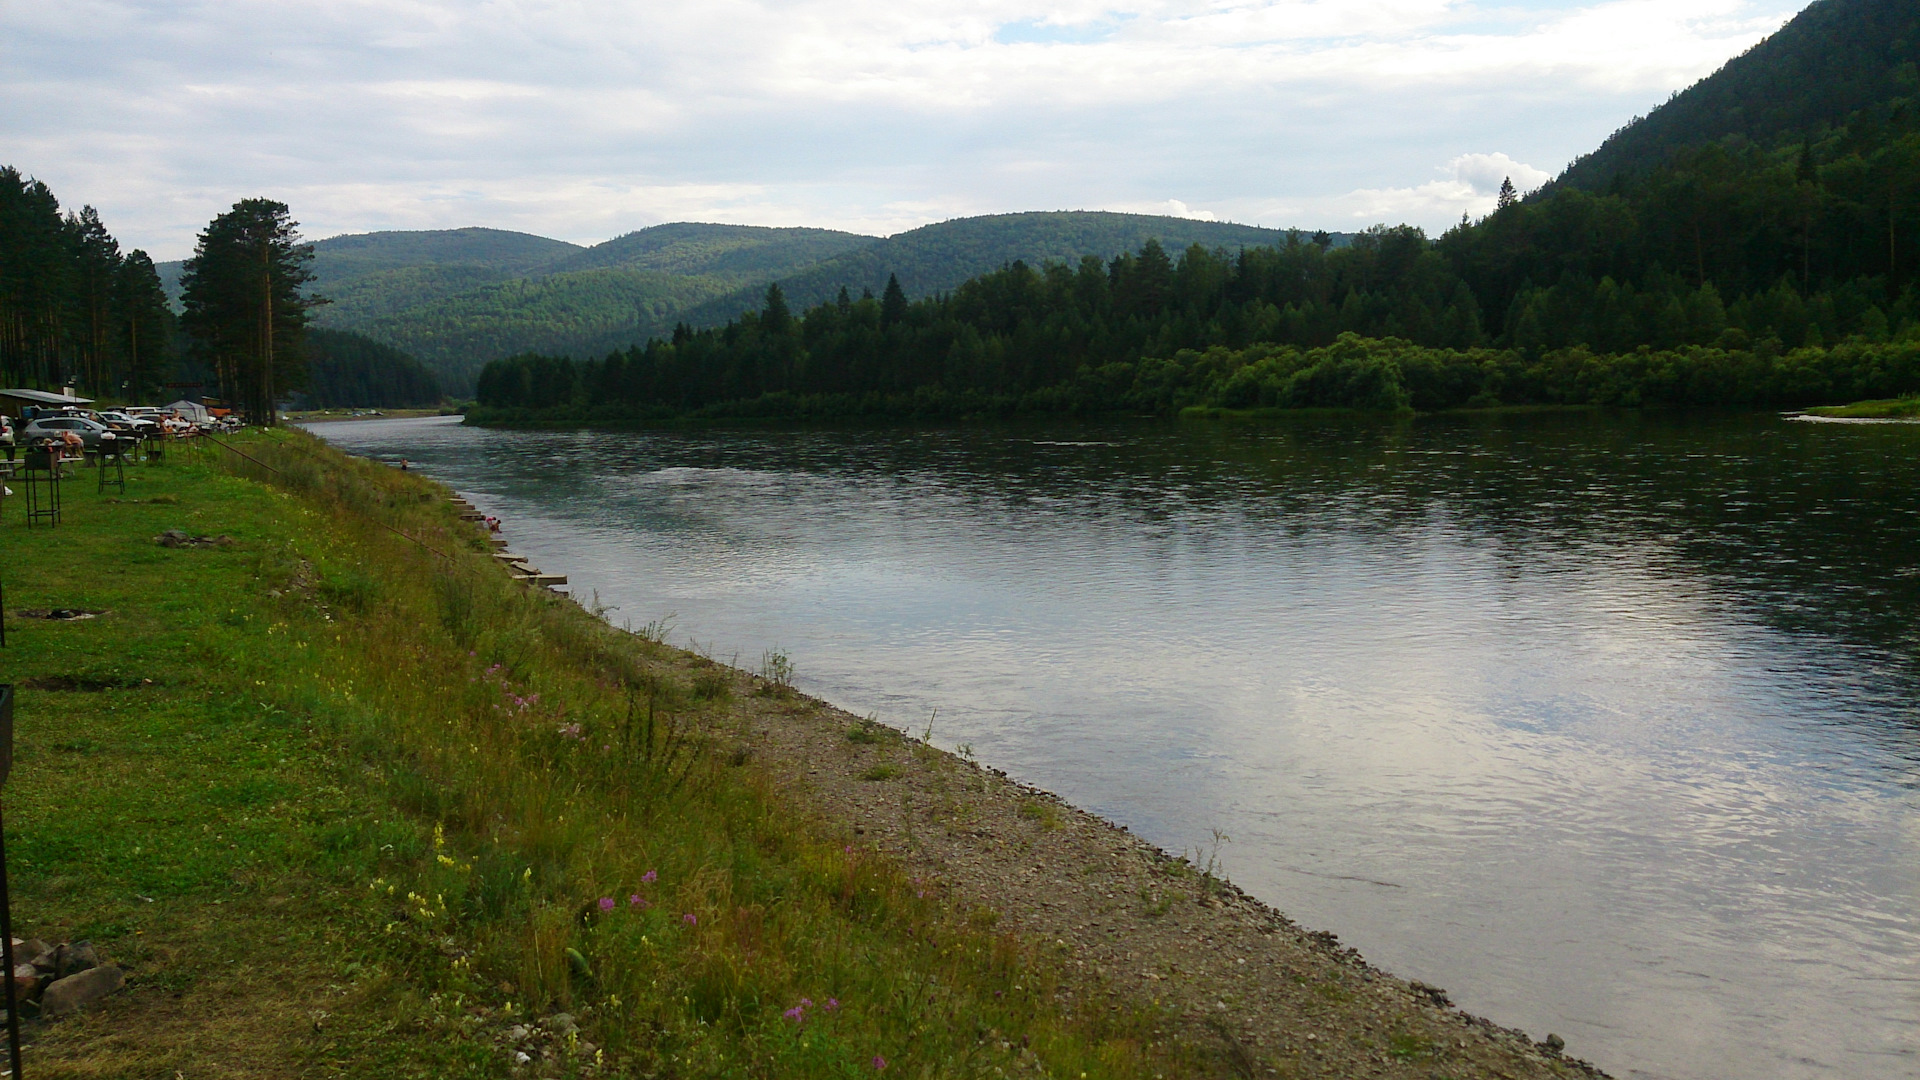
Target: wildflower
[
  {"x": 879, "y": 1063},
  {"x": 637, "y": 900},
  {"x": 650, "y": 877},
  {"x": 806, "y": 1003},
  {"x": 690, "y": 919},
  {"x": 795, "y": 1014},
  {"x": 606, "y": 903},
  {"x": 832, "y": 1004},
  {"x": 849, "y": 849}
]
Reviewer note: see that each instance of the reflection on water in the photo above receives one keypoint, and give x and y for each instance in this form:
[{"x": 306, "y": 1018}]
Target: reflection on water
[{"x": 1606, "y": 723}]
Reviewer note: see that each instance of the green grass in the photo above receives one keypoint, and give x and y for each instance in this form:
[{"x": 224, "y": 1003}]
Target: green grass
[
  {"x": 1889, "y": 409},
  {"x": 364, "y": 815}
]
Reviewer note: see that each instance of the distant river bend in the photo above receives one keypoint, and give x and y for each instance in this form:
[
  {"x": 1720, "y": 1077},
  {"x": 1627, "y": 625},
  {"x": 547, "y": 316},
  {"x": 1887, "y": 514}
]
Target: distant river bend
[{"x": 1607, "y": 723}]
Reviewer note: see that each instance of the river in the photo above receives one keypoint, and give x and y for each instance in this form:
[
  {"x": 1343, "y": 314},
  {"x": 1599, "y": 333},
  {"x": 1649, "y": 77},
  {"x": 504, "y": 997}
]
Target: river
[{"x": 1608, "y": 723}]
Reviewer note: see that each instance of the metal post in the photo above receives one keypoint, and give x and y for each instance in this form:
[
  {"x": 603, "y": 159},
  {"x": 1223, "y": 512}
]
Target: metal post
[{"x": 6, "y": 901}]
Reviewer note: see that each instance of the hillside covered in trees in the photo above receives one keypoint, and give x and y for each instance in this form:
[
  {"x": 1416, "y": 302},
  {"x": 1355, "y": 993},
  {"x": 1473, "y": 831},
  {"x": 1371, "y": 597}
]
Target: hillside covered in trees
[
  {"x": 460, "y": 297},
  {"x": 1755, "y": 268},
  {"x": 348, "y": 370}
]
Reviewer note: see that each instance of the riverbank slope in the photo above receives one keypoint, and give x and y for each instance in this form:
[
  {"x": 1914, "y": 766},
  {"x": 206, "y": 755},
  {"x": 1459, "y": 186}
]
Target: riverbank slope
[{"x": 345, "y": 800}]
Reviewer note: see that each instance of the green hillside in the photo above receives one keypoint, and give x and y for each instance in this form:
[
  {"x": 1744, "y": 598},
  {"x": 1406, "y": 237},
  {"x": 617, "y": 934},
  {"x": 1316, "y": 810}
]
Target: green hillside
[
  {"x": 938, "y": 258},
  {"x": 722, "y": 251},
  {"x": 1834, "y": 59},
  {"x": 584, "y": 311},
  {"x": 459, "y": 298},
  {"x": 454, "y": 258},
  {"x": 347, "y": 370},
  {"x": 1756, "y": 244}
]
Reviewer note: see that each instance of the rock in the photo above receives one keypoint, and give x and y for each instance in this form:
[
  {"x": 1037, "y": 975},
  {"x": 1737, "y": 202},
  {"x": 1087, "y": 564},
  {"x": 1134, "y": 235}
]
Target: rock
[
  {"x": 81, "y": 956},
  {"x": 1554, "y": 1043},
  {"x": 68, "y": 994},
  {"x": 26, "y": 952},
  {"x": 26, "y": 978},
  {"x": 560, "y": 1023}
]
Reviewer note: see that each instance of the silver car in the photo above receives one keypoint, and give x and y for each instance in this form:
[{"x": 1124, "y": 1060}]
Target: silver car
[{"x": 56, "y": 427}]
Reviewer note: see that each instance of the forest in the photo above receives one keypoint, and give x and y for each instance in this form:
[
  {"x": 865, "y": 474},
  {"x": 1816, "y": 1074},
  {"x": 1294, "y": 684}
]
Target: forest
[
  {"x": 348, "y": 370},
  {"x": 74, "y": 309},
  {"x": 1739, "y": 271}
]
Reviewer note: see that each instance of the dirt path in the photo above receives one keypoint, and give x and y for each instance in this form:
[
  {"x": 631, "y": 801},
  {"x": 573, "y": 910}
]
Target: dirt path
[{"x": 1128, "y": 922}]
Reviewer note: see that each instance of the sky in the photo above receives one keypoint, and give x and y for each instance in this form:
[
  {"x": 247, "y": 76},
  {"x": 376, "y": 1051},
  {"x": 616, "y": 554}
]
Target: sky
[{"x": 587, "y": 119}]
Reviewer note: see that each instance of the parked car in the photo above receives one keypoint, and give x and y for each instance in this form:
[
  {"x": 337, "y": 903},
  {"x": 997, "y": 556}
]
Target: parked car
[
  {"x": 121, "y": 418},
  {"x": 54, "y": 427}
]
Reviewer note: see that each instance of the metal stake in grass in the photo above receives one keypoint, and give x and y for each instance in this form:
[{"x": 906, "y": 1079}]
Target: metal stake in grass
[{"x": 6, "y": 902}]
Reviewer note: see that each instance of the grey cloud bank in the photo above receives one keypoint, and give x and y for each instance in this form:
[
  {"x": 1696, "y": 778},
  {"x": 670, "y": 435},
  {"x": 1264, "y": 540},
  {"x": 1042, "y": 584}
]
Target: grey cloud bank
[{"x": 587, "y": 118}]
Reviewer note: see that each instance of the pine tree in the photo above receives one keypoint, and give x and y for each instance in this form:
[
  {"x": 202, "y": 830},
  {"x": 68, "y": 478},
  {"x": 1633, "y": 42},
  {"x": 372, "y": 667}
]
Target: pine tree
[
  {"x": 775, "y": 318},
  {"x": 143, "y": 324},
  {"x": 893, "y": 302},
  {"x": 1508, "y": 196},
  {"x": 243, "y": 307}
]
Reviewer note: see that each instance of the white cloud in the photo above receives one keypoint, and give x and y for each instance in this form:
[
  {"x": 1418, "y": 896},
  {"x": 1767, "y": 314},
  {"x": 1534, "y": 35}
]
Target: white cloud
[{"x": 585, "y": 118}]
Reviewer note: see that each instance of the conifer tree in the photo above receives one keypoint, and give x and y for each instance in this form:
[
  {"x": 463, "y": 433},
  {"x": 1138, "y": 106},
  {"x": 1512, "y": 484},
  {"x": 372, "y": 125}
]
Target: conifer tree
[
  {"x": 893, "y": 302},
  {"x": 243, "y": 306},
  {"x": 775, "y": 318},
  {"x": 1508, "y": 196}
]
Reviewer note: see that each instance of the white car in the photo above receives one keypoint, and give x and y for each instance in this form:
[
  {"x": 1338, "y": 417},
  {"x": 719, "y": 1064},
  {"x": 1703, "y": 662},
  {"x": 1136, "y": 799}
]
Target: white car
[{"x": 121, "y": 418}]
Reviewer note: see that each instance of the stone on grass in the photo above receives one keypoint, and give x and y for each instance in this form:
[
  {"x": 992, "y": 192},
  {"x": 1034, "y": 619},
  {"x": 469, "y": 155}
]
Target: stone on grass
[
  {"x": 68, "y": 994},
  {"x": 80, "y": 956}
]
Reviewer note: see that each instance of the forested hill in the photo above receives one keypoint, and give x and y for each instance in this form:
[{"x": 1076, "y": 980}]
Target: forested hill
[
  {"x": 1772, "y": 269},
  {"x": 938, "y": 258},
  {"x": 347, "y": 370},
  {"x": 1834, "y": 59},
  {"x": 692, "y": 248},
  {"x": 475, "y": 254},
  {"x": 458, "y": 298}
]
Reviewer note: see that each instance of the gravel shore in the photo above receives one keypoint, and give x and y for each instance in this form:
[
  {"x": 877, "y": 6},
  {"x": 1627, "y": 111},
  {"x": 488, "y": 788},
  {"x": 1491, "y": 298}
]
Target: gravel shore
[{"x": 1130, "y": 925}]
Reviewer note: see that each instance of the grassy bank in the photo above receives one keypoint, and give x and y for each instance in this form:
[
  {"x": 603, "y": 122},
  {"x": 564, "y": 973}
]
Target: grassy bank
[
  {"x": 346, "y": 801},
  {"x": 1885, "y": 409}
]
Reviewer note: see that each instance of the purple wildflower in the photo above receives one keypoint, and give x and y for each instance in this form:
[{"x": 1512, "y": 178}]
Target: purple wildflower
[
  {"x": 832, "y": 1004},
  {"x": 690, "y": 919},
  {"x": 795, "y": 1014},
  {"x": 637, "y": 900},
  {"x": 606, "y": 903},
  {"x": 650, "y": 877},
  {"x": 879, "y": 1063},
  {"x": 806, "y": 1003}
]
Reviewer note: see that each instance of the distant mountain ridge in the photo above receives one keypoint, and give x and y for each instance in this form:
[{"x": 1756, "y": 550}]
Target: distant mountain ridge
[
  {"x": 456, "y": 298},
  {"x": 1833, "y": 59},
  {"x": 938, "y": 258}
]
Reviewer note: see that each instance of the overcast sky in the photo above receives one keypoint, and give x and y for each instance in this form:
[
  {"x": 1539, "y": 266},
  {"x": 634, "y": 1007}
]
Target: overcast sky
[{"x": 585, "y": 119}]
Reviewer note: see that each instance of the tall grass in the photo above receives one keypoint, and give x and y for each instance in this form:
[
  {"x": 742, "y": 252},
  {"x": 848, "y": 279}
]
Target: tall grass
[{"x": 603, "y": 845}]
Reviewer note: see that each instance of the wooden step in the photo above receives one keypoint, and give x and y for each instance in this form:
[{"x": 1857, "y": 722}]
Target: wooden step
[
  {"x": 541, "y": 579},
  {"x": 504, "y": 557}
]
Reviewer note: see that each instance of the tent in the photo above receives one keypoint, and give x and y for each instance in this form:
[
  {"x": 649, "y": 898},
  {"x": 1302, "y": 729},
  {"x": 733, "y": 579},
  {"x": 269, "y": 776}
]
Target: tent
[{"x": 190, "y": 410}]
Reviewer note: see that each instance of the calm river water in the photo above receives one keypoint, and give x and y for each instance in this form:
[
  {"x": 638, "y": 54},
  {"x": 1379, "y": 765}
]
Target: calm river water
[{"x": 1606, "y": 723}]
